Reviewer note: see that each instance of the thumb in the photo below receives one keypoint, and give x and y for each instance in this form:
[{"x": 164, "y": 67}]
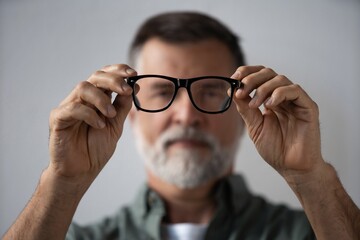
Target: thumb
[
  {"x": 122, "y": 104},
  {"x": 252, "y": 116}
]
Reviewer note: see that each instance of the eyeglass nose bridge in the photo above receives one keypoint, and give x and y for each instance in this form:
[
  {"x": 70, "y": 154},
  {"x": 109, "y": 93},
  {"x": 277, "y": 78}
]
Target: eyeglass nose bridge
[{"x": 182, "y": 83}]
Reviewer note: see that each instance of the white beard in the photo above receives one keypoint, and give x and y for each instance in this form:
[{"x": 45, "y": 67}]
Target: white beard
[{"x": 186, "y": 168}]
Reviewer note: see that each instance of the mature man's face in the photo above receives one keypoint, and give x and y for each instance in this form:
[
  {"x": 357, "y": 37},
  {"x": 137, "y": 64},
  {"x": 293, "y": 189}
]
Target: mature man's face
[{"x": 181, "y": 145}]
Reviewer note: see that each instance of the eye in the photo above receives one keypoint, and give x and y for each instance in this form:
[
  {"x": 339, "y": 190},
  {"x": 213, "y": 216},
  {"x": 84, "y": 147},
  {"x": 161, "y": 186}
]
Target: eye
[
  {"x": 211, "y": 91},
  {"x": 162, "y": 93}
]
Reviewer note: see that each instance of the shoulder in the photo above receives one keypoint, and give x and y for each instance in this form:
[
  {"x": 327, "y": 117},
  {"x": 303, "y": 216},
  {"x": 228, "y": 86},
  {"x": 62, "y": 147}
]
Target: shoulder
[
  {"x": 126, "y": 223},
  {"x": 106, "y": 228},
  {"x": 257, "y": 217}
]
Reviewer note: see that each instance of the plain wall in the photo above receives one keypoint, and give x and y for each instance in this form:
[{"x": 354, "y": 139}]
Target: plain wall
[{"x": 47, "y": 47}]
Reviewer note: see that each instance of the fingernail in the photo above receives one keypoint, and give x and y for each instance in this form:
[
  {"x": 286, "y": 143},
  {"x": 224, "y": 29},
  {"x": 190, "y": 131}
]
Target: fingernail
[
  {"x": 253, "y": 101},
  {"x": 101, "y": 123},
  {"x": 130, "y": 71},
  {"x": 126, "y": 87},
  {"x": 111, "y": 110},
  {"x": 269, "y": 101},
  {"x": 238, "y": 92}
]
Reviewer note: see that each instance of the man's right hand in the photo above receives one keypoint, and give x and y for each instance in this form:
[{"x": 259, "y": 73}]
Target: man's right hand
[
  {"x": 84, "y": 131},
  {"x": 86, "y": 126}
]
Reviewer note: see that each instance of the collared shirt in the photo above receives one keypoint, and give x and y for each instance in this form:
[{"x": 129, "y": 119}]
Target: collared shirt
[{"x": 239, "y": 215}]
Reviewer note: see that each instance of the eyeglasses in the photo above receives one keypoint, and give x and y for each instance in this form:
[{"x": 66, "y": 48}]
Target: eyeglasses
[{"x": 208, "y": 94}]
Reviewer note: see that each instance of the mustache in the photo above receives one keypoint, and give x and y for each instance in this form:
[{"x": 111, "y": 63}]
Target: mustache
[{"x": 186, "y": 133}]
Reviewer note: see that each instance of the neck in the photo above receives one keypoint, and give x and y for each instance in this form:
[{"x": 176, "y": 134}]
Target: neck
[{"x": 196, "y": 205}]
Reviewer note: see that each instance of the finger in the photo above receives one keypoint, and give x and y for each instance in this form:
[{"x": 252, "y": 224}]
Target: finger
[
  {"x": 243, "y": 71},
  {"x": 94, "y": 96},
  {"x": 122, "y": 104},
  {"x": 252, "y": 116},
  {"x": 88, "y": 94},
  {"x": 120, "y": 68},
  {"x": 265, "y": 90},
  {"x": 296, "y": 95},
  {"x": 255, "y": 79},
  {"x": 108, "y": 81},
  {"x": 67, "y": 115},
  {"x": 111, "y": 78}
]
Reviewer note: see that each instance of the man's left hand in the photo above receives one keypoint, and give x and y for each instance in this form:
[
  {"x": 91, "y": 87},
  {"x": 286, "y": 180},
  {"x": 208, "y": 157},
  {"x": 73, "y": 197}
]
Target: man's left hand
[{"x": 286, "y": 132}]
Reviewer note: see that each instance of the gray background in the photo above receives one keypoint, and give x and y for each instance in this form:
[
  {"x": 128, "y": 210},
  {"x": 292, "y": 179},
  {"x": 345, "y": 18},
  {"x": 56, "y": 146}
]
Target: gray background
[{"x": 46, "y": 47}]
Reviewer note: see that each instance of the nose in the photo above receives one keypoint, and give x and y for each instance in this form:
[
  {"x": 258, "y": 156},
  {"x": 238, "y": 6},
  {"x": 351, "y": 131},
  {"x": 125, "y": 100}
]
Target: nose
[{"x": 184, "y": 111}]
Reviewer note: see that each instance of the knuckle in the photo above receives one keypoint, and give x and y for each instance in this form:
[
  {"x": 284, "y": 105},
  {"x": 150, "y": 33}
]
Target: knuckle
[
  {"x": 315, "y": 109},
  {"x": 71, "y": 107},
  {"x": 97, "y": 74},
  {"x": 282, "y": 77},
  {"x": 122, "y": 66},
  {"x": 248, "y": 79},
  {"x": 316, "y": 106},
  {"x": 81, "y": 86},
  {"x": 248, "y": 70},
  {"x": 296, "y": 85},
  {"x": 53, "y": 116},
  {"x": 117, "y": 67},
  {"x": 242, "y": 70},
  {"x": 277, "y": 92},
  {"x": 268, "y": 70}
]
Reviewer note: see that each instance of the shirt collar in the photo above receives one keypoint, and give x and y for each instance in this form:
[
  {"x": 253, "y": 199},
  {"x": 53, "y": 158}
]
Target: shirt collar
[
  {"x": 230, "y": 193},
  {"x": 231, "y": 189}
]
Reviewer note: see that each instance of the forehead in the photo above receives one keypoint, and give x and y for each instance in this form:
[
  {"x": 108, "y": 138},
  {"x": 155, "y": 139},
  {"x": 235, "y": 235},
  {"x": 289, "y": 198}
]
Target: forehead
[{"x": 186, "y": 60}]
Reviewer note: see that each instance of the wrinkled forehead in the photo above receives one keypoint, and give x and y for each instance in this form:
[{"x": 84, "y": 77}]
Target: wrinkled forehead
[{"x": 208, "y": 57}]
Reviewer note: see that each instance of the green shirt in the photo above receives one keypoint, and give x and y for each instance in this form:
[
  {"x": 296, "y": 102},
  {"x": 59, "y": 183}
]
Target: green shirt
[{"x": 239, "y": 215}]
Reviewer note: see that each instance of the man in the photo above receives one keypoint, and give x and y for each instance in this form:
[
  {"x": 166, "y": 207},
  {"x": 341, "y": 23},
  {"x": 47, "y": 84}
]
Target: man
[{"x": 189, "y": 138}]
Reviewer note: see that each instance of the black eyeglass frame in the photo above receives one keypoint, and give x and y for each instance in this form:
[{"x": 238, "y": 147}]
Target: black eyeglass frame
[{"x": 185, "y": 83}]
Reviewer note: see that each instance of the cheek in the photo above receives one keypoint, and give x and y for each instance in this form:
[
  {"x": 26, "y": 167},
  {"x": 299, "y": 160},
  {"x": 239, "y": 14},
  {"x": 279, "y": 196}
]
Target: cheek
[
  {"x": 228, "y": 127},
  {"x": 150, "y": 126}
]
